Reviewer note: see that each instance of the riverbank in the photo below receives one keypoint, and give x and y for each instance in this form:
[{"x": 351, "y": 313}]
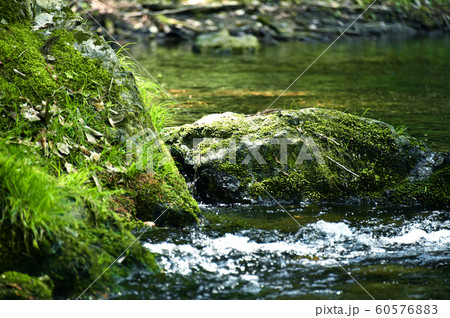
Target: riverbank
[
  {"x": 74, "y": 177},
  {"x": 270, "y": 22}
]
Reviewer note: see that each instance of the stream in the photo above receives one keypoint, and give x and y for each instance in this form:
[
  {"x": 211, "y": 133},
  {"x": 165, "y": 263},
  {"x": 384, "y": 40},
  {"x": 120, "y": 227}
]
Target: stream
[{"x": 308, "y": 251}]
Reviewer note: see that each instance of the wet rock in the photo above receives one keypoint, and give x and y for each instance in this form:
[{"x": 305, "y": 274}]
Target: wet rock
[
  {"x": 280, "y": 20},
  {"x": 223, "y": 42},
  {"x": 309, "y": 154}
]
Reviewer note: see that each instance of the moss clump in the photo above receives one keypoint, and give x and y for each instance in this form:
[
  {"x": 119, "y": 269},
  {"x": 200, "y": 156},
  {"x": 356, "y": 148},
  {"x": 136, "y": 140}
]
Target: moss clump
[
  {"x": 223, "y": 42},
  {"x": 434, "y": 190},
  {"x": 18, "y": 286},
  {"x": 51, "y": 91},
  {"x": 165, "y": 200},
  {"x": 163, "y": 197},
  {"x": 16, "y": 11}
]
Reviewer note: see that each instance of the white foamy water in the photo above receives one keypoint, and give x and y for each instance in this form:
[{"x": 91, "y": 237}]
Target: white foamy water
[
  {"x": 243, "y": 254},
  {"x": 316, "y": 244}
]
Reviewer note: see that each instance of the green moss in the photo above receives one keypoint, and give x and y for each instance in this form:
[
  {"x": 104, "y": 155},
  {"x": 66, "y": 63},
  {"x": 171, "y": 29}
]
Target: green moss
[
  {"x": 62, "y": 228},
  {"x": 18, "y": 286},
  {"x": 435, "y": 190},
  {"x": 164, "y": 199},
  {"x": 72, "y": 78},
  {"x": 369, "y": 149},
  {"x": 16, "y": 11}
]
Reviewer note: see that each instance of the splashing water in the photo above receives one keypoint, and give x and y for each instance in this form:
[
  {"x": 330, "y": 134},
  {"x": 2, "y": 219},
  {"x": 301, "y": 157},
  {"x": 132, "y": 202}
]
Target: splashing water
[{"x": 260, "y": 253}]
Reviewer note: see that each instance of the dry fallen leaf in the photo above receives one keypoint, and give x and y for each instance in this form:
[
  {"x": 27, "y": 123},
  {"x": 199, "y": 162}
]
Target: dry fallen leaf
[
  {"x": 90, "y": 139},
  {"x": 99, "y": 106},
  {"x": 29, "y": 113},
  {"x": 94, "y": 157},
  {"x": 111, "y": 168},
  {"x": 150, "y": 223},
  {"x": 93, "y": 132},
  {"x": 113, "y": 120},
  {"x": 69, "y": 168},
  {"x": 63, "y": 148},
  {"x": 97, "y": 183},
  {"x": 84, "y": 150}
]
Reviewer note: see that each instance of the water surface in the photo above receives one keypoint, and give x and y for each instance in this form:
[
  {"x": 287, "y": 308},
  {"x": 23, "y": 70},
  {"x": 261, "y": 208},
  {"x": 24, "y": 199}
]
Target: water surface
[{"x": 404, "y": 83}]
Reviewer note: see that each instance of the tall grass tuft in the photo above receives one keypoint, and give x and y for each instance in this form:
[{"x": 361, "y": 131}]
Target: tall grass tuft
[
  {"x": 156, "y": 102},
  {"x": 30, "y": 203}
]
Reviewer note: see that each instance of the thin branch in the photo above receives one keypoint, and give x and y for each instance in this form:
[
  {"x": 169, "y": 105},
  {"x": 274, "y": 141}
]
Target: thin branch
[{"x": 343, "y": 167}]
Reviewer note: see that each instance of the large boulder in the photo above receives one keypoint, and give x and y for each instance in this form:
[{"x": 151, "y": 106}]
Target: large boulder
[{"x": 289, "y": 156}]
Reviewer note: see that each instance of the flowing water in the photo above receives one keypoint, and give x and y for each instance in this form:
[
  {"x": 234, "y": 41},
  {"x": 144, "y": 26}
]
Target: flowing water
[
  {"x": 248, "y": 252},
  {"x": 308, "y": 251}
]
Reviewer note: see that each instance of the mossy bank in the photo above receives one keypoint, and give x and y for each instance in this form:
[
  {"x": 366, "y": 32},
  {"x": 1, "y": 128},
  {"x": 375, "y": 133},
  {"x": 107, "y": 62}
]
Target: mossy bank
[
  {"x": 69, "y": 107},
  {"x": 290, "y": 156}
]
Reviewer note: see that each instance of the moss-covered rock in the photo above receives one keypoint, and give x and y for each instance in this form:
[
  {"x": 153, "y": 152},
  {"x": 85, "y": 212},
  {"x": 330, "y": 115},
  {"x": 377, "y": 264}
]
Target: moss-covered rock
[
  {"x": 18, "y": 286},
  {"x": 223, "y": 42},
  {"x": 68, "y": 106},
  {"x": 51, "y": 56},
  {"x": 65, "y": 89},
  {"x": 308, "y": 154}
]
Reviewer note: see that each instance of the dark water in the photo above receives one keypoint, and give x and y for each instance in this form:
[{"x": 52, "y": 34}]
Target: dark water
[{"x": 254, "y": 252}]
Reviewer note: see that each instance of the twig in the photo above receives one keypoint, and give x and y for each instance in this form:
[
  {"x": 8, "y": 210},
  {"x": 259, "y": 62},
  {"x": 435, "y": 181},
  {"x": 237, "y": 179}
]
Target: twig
[
  {"x": 19, "y": 72},
  {"x": 110, "y": 86},
  {"x": 134, "y": 14},
  {"x": 45, "y": 49},
  {"x": 22, "y": 53},
  {"x": 323, "y": 137},
  {"x": 343, "y": 167}
]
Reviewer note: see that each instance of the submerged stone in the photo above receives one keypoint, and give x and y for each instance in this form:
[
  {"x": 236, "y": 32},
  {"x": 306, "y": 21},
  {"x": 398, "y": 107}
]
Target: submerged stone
[
  {"x": 223, "y": 42},
  {"x": 289, "y": 156}
]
